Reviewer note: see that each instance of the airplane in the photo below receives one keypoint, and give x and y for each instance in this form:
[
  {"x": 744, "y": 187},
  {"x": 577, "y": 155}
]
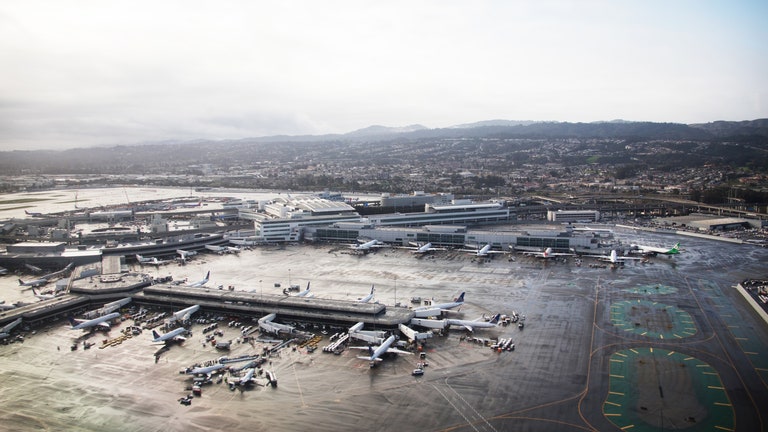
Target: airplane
[
  {"x": 367, "y": 298},
  {"x": 245, "y": 380},
  {"x": 4, "y": 307},
  {"x": 6, "y": 331},
  {"x": 42, "y": 280},
  {"x": 86, "y": 324},
  {"x": 207, "y": 370},
  {"x": 367, "y": 246},
  {"x": 221, "y": 250},
  {"x": 43, "y": 296},
  {"x": 173, "y": 335},
  {"x": 546, "y": 254},
  {"x": 613, "y": 258},
  {"x": 370, "y": 336},
  {"x": 306, "y": 293},
  {"x": 184, "y": 314},
  {"x": 375, "y": 353},
  {"x": 424, "y": 249},
  {"x": 467, "y": 324},
  {"x": 34, "y": 214},
  {"x": 184, "y": 255},
  {"x": 107, "y": 308},
  {"x": 484, "y": 251},
  {"x": 437, "y": 309},
  {"x": 151, "y": 261},
  {"x": 201, "y": 282},
  {"x": 33, "y": 268},
  {"x": 34, "y": 283},
  {"x": 266, "y": 323},
  {"x": 651, "y": 250}
]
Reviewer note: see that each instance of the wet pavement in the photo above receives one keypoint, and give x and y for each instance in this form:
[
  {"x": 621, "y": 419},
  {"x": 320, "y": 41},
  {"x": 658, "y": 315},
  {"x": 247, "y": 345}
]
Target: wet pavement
[{"x": 555, "y": 380}]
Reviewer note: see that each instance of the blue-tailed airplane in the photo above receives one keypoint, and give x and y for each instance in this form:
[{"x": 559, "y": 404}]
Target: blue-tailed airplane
[
  {"x": 173, "y": 335},
  {"x": 438, "y": 309},
  {"x": 306, "y": 293},
  {"x": 201, "y": 282},
  {"x": 367, "y": 298}
]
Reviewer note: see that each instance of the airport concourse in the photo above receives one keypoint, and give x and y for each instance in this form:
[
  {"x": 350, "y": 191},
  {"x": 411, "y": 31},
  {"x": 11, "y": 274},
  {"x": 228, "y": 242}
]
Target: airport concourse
[{"x": 654, "y": 344}]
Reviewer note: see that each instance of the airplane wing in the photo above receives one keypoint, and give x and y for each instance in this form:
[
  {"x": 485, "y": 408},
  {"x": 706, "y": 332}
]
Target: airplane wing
[{"x": 398, "y": 351}]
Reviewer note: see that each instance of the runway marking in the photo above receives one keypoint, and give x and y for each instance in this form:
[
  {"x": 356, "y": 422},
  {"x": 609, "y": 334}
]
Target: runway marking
[
  {"x": 617, "y": 360},
  {"x": 616, "y": 393},
  {"x": 301, "y": 394},
  {"x": 612, "y": 403},
  {"x": 611, "y": 415},
  {"x": 750, "y": 353},
  {"x": 616, "y": 376},
  {"x": 716, "y": 387},
  {"x": 722, "y": 404},
  {"x": 723, "y": 428},
  {"x": 670, "y": 353},
  {"x": 628, "y": 427}
]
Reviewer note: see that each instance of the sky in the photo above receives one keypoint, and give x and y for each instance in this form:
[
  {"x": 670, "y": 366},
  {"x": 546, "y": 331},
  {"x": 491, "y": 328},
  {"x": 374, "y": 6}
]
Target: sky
[{"x": 81, "y": 73}]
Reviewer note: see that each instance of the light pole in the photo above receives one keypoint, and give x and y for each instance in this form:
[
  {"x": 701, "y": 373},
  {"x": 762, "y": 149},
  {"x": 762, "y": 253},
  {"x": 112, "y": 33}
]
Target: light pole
[
  {"x": 289, "y": 278},
  {"x": 395, "y": 290},
  {"x": 261, "y": 290}
]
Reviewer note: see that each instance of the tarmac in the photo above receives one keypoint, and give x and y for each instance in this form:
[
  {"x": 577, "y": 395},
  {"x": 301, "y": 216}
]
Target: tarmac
[{"x": 560, "y": 377}]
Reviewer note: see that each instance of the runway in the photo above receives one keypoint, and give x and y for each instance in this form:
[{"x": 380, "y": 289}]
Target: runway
[{"x": 557, "y": 379}]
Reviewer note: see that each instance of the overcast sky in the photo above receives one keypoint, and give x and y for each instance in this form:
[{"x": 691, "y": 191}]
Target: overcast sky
[{"x": 79, "y": 73}]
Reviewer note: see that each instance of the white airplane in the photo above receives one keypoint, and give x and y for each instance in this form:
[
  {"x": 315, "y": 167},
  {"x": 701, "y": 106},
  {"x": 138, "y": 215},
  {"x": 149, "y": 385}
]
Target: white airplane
[
  {"x": 266, "y": 323},
  {"x": 374, "y": 354},
  {"x": 306, "y": 293},
  {"x": 437, "y": 309},
  {"x": 6, "y": 331},
  {"x": 107, "y": 308},
  {"x": 34, "y": 214},
  {"x": 151, "y": 261},
  {"x": 424, "y": 249},
  {"x": 221, "y": 250},
  {"x": 207, "y": 370},
  {"x": 201, "y": 282},
  {"x": 613, "y": 258},
  {"x": 370, "y": 336},
  {"x": 78, "y": 324},
  {"x": 184, "y": 255},
  {"x": 44, "y": 296},
  {"x": 367, "y": 246},
  {"x": 652, "y": 250},
  {"x": 467, "y": 324},
  {"x": 484, "y": 251},
  {"x": 173, "y": 335},
  {"x": 547, "y": 253},
  {"x": 184, "y": 314},
  {"x": 246, "y": 379},
  {"x": 367, "y": 298}
]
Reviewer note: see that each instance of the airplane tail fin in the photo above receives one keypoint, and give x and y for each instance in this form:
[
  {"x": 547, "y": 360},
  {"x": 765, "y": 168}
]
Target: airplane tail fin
[
  {"x": 208, "y": 275},
  {"x": 371, "y": 289},
  {"x": 71, "y": 320},
  {"x": 155, "y": 335},
  {"x": 495, "y": 319},
  {"x": 21, "y": 282},
  {"x": 460, "y": 298},
  {"x": 675, "y": 248}
]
